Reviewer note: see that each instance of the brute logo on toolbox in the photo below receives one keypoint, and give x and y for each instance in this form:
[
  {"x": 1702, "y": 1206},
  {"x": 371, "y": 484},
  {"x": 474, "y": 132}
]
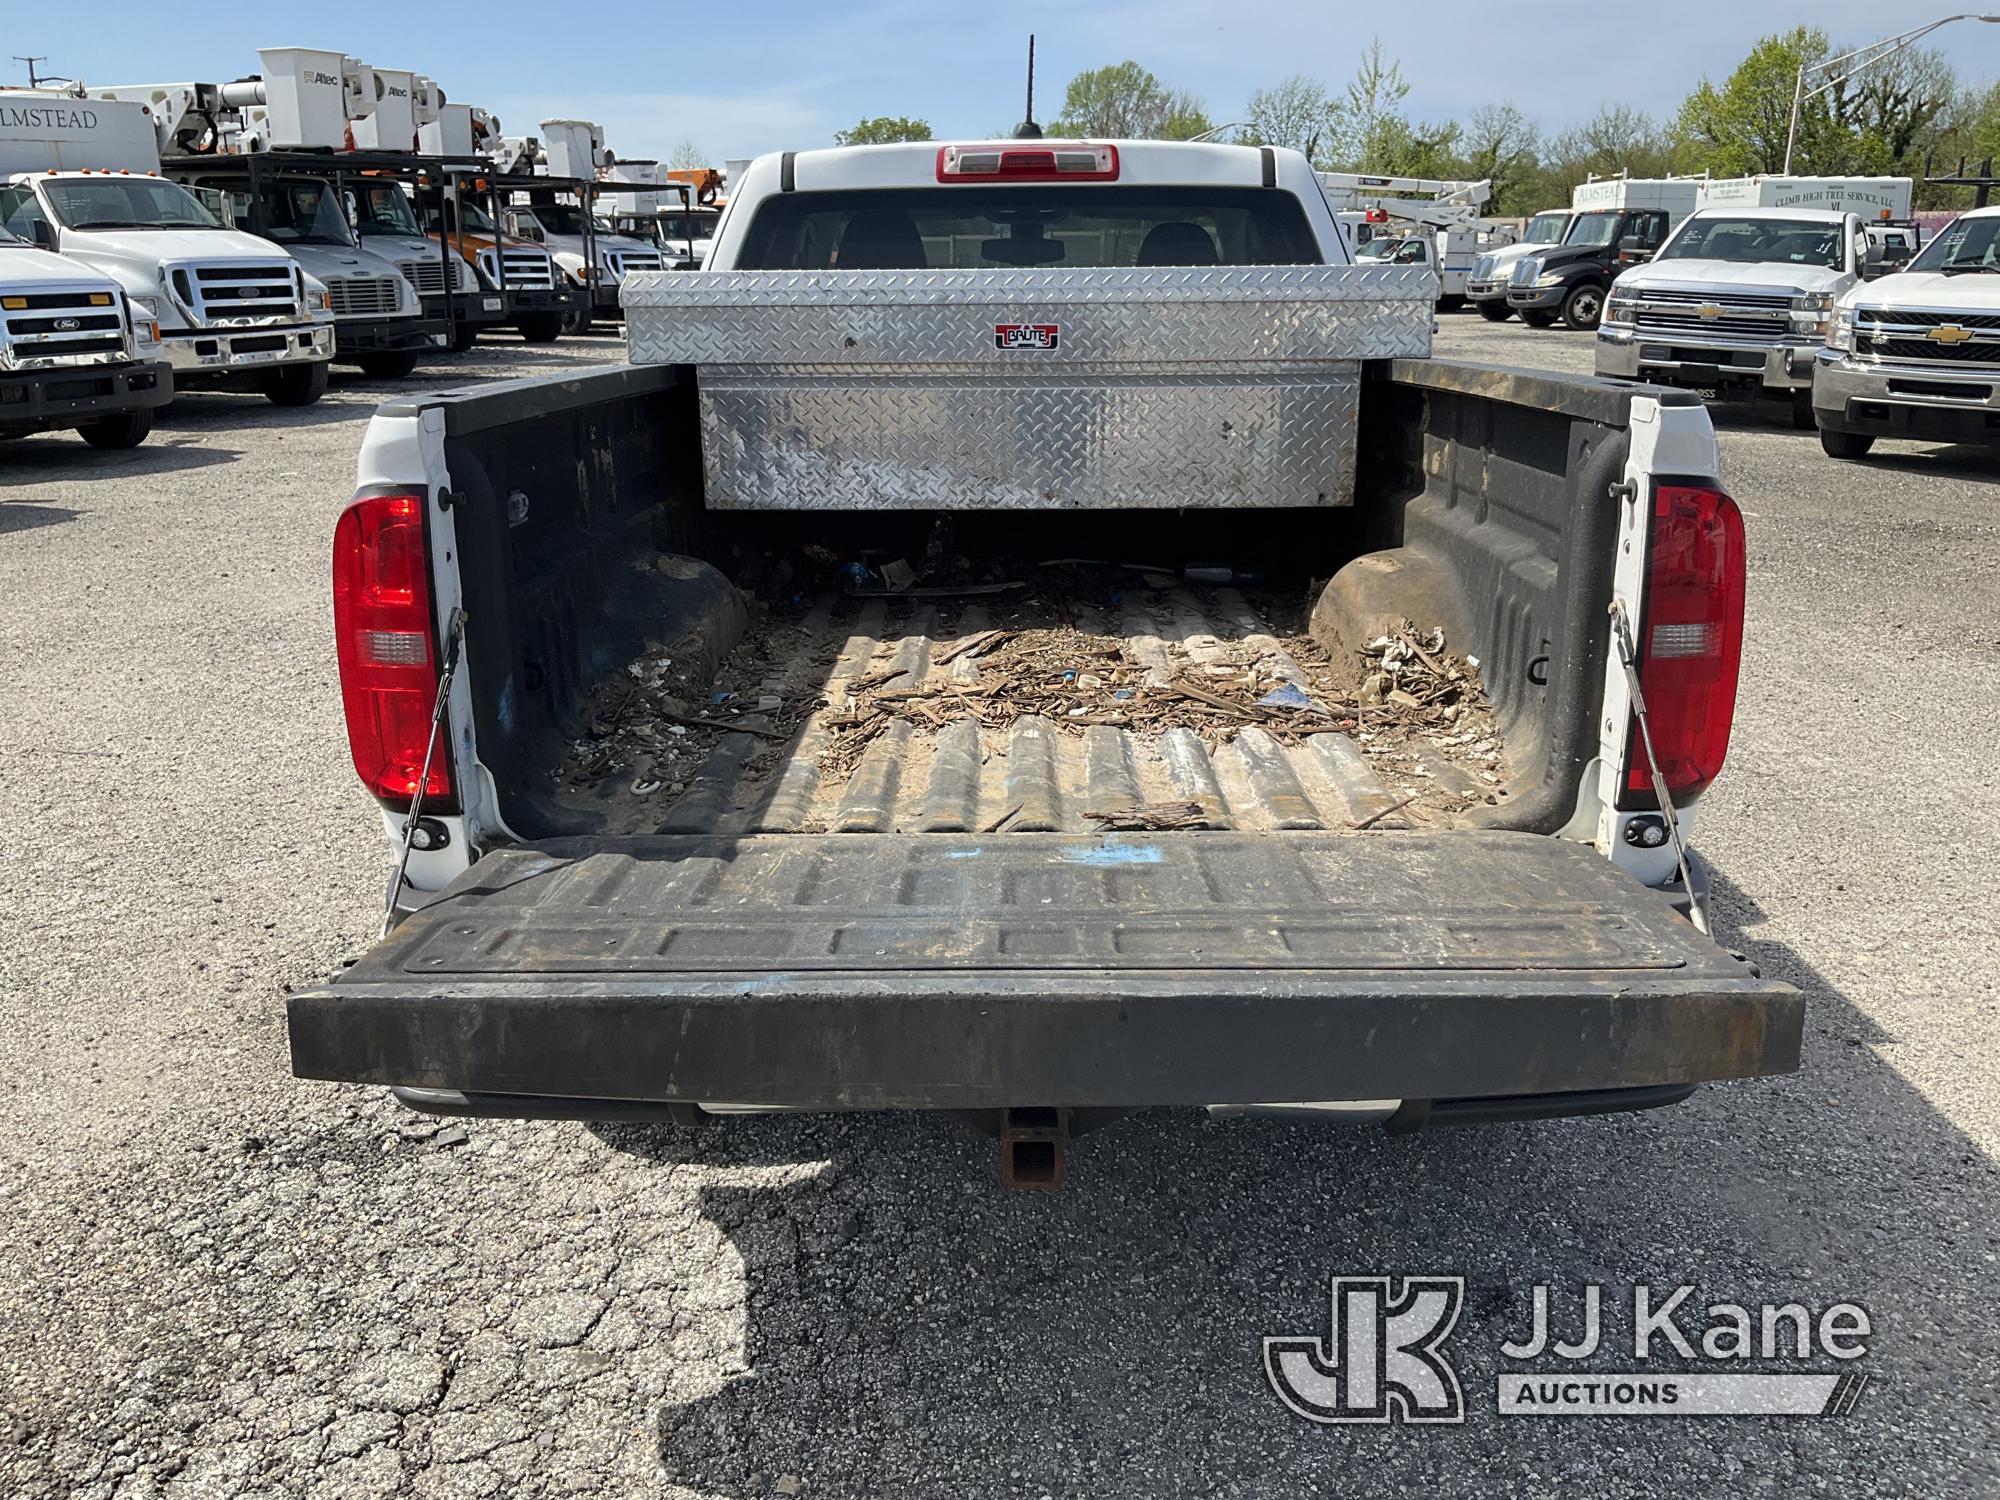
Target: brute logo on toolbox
[{"x": 1026, "y": 335}]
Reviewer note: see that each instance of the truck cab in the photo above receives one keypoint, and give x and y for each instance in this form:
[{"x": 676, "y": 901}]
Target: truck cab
[
  {"x": 535, "y": 298},
  {"x": 592, "y": 256},
  {"x": 387, "y": 225},
  {"x": 1917, "y": 354},
  {"x": 1569, "y": 282},
  {"x": 73, "y": 356},
  {"x": 684, "y": 235},
  {"x": 380, "y": 322},
  {"x": 1738, "y": 299},
  {"x": 781, "y": 721},
  {"x": 1486, "y": 283}
]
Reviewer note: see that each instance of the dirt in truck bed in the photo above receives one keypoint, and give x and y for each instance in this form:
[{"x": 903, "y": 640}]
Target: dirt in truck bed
[{"x": 1080, "y": 701}]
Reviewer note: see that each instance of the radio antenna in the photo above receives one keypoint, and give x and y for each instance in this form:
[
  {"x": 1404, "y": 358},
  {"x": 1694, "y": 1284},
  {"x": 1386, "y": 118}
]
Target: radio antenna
[{"x": 1028, "y": 130}]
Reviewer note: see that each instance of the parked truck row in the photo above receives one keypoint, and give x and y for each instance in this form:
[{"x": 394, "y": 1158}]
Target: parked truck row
[{"x": 253, "y": 232}]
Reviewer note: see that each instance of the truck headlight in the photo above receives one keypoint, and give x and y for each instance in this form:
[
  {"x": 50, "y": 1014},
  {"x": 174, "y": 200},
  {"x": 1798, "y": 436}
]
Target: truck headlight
[
  {"x": 147, "y": 308},
  {"x": 1810, "y": 311},
  {"x": 1621, "y": 307},
  {"x": 1554, "y": 278},
  {"x": 1840, "y": 330}
]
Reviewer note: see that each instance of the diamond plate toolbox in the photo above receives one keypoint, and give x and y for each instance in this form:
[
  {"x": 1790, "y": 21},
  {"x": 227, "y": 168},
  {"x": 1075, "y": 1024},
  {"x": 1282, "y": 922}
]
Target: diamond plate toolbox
[{"x": 1229, "y": 386}]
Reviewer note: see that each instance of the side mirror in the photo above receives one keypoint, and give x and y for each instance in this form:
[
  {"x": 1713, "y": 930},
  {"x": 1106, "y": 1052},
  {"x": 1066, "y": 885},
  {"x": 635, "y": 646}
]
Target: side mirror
[
  {"x": 1632, "y": 249},
  {"x": 43, "y": 233}
]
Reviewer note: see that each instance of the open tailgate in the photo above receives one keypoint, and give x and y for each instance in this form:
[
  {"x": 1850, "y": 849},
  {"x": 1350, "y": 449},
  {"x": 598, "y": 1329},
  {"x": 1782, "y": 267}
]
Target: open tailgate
[{"x": 874, "y": 971}]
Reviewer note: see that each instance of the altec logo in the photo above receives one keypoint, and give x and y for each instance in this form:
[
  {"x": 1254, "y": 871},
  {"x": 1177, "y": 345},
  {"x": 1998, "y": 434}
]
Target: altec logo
[{"x": 1026, "y": 335}]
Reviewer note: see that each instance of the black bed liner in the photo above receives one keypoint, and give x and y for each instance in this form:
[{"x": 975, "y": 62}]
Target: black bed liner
[{"x": 866, "y": 971}]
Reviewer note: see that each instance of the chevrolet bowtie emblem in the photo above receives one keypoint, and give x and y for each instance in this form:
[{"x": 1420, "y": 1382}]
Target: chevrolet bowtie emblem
[
  {"x": 1708, "y": 310},
  {"x": 1948, "y": 333}
]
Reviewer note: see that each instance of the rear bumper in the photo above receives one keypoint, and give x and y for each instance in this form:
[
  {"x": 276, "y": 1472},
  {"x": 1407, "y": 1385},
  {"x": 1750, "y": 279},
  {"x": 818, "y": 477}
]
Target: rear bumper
[
  {"x": 356, "y": 336},
  {"x": 1943, "y": 405},
  {"x": 38, "y": 400},
  {"x": 1663, "y": 359},
  {"x": 927, "y": 973}
]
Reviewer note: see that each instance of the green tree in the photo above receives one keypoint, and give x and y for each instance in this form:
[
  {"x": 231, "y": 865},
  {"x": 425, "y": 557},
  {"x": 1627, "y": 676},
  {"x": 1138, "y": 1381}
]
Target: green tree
[
  {"x": 1500, "y": 145},
  {"x": 1301, "y": 115},
  {"x": 1374, "y": 112},
  {"x": 1125, "y": 100},
  {"x": 881, "y": 130},
  {"x": 1616, "y": 139},
  {"x": 1740, "y": 128}
]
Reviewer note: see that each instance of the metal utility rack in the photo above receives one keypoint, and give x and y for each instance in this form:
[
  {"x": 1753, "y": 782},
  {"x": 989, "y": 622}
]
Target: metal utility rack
[
  {"x": 435, "y": 176},
  {"x": 494, "y": 187},
  {"x": 1981, "y": 180}
]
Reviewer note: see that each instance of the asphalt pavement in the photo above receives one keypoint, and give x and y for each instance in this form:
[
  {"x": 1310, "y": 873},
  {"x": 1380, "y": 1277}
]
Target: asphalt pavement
[{"x": 217, "y": 1281}]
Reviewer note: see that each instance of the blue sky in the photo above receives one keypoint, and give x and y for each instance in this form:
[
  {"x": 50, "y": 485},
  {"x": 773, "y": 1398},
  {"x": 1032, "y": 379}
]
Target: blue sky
[{"x": 764, "y": 75}]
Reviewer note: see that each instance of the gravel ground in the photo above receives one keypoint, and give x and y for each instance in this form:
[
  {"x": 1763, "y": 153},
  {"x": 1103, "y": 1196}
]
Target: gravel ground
[{"x": 217, "y": 1281}]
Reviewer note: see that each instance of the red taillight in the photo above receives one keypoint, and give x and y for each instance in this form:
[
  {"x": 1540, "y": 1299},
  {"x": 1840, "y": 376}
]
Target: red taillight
[
  {"x": 1691, "y": 641},
  {"x": 385, "y": 632},
  {"x": 1054, "y": 161}
]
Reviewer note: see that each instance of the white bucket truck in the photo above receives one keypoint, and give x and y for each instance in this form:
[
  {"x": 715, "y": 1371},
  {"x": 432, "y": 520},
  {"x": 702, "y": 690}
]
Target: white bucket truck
[
  {"x": 73, "y": 354},
  {"x": 80, "y": 176},
  {"x": 590, "y": 252},
  {"x": 1738, "y": 299}
]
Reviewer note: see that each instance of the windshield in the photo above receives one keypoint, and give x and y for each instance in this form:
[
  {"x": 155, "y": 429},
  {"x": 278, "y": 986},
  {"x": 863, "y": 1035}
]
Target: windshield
[
  {"x": 306, "y": 213},
  {"x": 470, "y": 214},
  {"x": 1591, "y": 229},
  {"x": 560, "y": 218},
  {"x": 1965, "y": 244},
  {"x": 897, "y": 229},
  {"x": 1792, "y": 242},
  {"x": 690, "y": 226},
  {"x": 1546, "y": 229},
  {"x": 382, "y": 208},
  {"x": 125, "y": 203}
]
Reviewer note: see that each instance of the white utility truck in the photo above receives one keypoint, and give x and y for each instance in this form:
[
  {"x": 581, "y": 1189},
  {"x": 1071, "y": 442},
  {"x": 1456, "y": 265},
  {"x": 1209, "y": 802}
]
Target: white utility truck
[
  {"x": 80, "y": 176},
  {"x": 1738, "y": 299},
  {"x": 1615, "y": 223},
  {"x": 589, "y": 251},
  {"x": 73, "y": 355},
  {"x": 1444, "y": 213},
  {"x": 1917, "y": 354},
  {"x": 1486, "y": 283},
  {"x": 907, "y": 860}
]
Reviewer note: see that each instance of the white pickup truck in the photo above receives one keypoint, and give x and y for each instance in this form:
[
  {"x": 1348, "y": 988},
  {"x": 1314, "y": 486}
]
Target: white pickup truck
[
  {"x": 73, "y": 356},
  {"x": 1737, "y": 301},
  {"x": 1917, "y": 354},
  {"x": 842, "y": 706}
]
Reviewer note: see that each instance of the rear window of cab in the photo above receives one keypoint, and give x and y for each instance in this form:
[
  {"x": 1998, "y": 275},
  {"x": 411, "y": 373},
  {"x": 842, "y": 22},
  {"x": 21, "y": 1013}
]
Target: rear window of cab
[{"x": 1076, "y": 226}]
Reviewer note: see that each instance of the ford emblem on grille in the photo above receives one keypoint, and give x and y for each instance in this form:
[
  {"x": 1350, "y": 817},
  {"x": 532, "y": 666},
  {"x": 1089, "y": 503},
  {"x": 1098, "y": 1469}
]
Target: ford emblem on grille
[{"x": 68, "y": 325}]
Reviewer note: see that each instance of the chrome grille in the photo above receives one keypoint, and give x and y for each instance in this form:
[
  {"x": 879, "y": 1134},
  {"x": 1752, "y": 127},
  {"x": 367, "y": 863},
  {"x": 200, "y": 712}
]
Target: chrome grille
[
  {"x": 527, "y": 270},
  {"x": 1903, "y": 336},
  {"x": 1729, "y": 323},
  {"x": 1780, "y": 302},
  {"x": 362, "y": 296},
  {"x": 61, "y": 326},
  {"x": 623, "y": 261},
  {"x": 229, "y": 295},
  {"x": 427, "y": 276}
]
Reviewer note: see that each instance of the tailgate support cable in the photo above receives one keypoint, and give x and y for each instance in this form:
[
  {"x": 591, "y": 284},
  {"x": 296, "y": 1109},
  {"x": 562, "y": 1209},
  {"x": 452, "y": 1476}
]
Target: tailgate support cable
[
  {"x": 454, "y": 638},
  {"x": 1627, "y": 658}
]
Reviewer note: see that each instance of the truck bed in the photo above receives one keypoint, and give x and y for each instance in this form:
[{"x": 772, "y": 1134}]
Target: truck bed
[
  {"x": 903, "y": 854},
  {"x": 1079, "y": 700}
]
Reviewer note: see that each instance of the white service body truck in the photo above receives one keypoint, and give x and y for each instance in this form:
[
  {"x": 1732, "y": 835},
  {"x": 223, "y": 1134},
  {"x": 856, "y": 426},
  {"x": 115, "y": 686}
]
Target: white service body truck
[
  {"x": 1736, "y": 302},
  {"x": 1041, "y": 346},
  {"x": 1486, "y": 282},
  {"x": 1615, "y": 223},
  {"x": 81, "y": 177},
  {"x": 73, "y": 356},
  {"x": 1917, "y": 354}
]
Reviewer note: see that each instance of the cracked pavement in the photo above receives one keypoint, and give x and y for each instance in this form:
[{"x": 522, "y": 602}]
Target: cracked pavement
[{"x": 216, "y": 1281}]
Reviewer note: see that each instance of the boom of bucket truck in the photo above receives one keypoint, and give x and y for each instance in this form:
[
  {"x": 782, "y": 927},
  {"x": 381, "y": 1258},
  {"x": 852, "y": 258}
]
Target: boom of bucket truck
[{"x": 1450, "y": 209}]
